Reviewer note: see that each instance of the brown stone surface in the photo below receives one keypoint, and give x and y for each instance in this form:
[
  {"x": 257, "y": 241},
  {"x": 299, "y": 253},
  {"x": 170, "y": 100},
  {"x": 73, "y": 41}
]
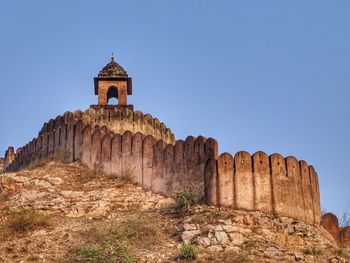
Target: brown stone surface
[
  {"x": 57, "y": 141},
  {"x": 86, "y": 146},
  {"x": 106, "y": 152},
  {"x": 70, "y": 137},
  {"x": 136, "y": 152},
  {"x": 179, "y": 180},
  {"x": 116, "y": 156},
  {"x": 331, "y": 224},
  {"x": 127, "y": 166},
  {"x": 189, "y": 160},
  {"x": 306, "y": 183},
  {"x": 44, "y": 145},
  {"x": 211, "y": 182},
  {"x": 96, "y": 148},
  {"x": 78, "y": 140},
  {"x": 225, "y": 180},
  {"x": 158, "y": 181},
  {"x": 200, "y": 159},
  {"x": 345, "y": 236},
  {"x": 169, "y": 169},
  {"x": 315, "y": 195},
  {"x": 51, "y": 144},
  {"x": 63, "y": 138},
  {"x": 262, "y": 182},
  {"x": 244, "y": 185},
  {"x": 147, "y": 161},
  {"x": 279, "y": 178},
  {"x": 297, "y": 200}
]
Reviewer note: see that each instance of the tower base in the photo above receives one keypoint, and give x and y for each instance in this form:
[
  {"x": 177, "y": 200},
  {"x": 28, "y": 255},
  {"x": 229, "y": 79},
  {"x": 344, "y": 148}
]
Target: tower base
[{"x": 110, "y": 107}]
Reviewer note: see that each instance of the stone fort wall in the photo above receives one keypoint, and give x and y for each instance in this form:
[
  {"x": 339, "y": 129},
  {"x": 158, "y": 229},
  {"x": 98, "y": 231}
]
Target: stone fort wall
[
  {"x": 272, "y": 184},
  {"x": 340, "y": 234},
  {"x": 118, "y": 121}
]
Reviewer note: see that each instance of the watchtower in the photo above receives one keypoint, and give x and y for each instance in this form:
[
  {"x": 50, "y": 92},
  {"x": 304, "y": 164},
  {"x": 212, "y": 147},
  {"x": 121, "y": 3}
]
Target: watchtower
[{"x": 112, "y": 82}]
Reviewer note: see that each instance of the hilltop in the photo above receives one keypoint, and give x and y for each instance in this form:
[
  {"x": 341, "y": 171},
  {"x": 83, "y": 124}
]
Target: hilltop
[{"x": 82, "y": 215}]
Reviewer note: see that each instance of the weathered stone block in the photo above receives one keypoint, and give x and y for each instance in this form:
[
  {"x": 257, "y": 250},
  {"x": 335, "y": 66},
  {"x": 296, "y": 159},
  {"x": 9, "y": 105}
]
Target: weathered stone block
[
  {"x": 136, "y": 153},
  {"x": 244, "y": 185},
  {"x": 331, "y": 224},
  {"x": 179, "y": 163},
  {"x": 116, "y": 155},
  {"x": 86, "y": 145},
  {"x": 211, "y": 181},
  {"x": 225, "y": 180},
  {"x": 262, "y": 182},
  {"x": 106, "y": 153},
  {"x": 147, "y": 161}
]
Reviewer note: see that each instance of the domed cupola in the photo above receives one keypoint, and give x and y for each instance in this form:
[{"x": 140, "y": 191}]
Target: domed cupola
[
  {"x": 112, "y": 82},
  {"x": 113, "y": 70}
]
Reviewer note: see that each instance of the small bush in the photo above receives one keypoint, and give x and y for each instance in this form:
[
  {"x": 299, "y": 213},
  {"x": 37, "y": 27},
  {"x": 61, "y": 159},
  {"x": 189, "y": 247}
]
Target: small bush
[
  {"x": 185, "y": 199},
  {"x": 188, "y": 251}
]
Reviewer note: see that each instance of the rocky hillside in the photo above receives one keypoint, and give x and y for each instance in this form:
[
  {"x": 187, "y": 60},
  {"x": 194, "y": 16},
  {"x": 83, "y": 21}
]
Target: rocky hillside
[{"x": 66, "y": 213}]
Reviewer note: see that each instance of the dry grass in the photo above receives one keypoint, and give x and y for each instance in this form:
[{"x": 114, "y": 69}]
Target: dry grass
[
  {"x": 210, "y": 217},
  {"x": 22, "y": 222},
  {"x": 38, "y": 163},
  {"x": 117, "y": 242}
]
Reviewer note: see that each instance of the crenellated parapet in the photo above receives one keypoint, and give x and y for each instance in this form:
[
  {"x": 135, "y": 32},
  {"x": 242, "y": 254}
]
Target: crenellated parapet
[
  {"x": 10, "y": 156},
  {"x": 272, "y": 184},
  {"x": 117, "y": 120},
  {"x": 132, "y": 145},
  {"x": 340, "y": 234},
  {"x": 154, "y": 164}
]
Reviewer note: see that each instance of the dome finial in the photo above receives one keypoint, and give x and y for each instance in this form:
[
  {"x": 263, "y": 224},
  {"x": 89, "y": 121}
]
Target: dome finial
[{"x": 112, "y": 58}]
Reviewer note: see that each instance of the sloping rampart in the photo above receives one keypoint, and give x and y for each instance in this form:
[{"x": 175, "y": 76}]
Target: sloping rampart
[{"x": 272, "y": 184}]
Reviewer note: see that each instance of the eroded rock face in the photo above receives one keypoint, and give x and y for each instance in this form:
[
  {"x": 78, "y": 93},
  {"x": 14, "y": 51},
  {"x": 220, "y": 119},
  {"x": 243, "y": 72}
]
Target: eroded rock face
[
  {"x": 269, "y": 238},
  {"x": 79, "y": 196},
  {"x": 87, "y": 193}
]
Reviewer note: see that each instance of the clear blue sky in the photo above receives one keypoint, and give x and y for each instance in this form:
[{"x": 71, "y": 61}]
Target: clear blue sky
[{"x": 256, "y": 75}]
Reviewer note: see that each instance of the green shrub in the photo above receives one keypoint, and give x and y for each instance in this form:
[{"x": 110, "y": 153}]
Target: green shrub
[
  {"x": 188, "y": 251},
  {"x": 185, "y": 199}
]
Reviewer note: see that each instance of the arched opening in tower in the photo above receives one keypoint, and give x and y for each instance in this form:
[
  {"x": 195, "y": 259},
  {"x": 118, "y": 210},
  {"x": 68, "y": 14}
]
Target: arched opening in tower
[{"x": 112, "y": 95}]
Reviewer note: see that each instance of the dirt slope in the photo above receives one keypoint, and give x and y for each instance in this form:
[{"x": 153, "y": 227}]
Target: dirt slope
[{"x": 66, "y": 213}]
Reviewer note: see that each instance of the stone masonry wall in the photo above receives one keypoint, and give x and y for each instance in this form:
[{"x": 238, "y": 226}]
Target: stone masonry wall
[
  {"x": 152, "y": 163},
  {"x": 340, "y": 234},
  {"x": 272, "y": 184},
  {"x": 118, "y": 121}
]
